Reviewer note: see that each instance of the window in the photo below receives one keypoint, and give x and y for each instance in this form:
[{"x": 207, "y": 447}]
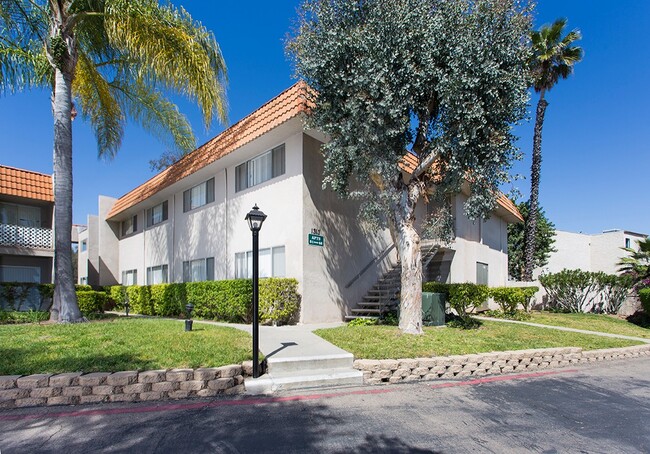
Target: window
[
  {"x": 10, "y": 273},
  {"x": 260, "y": 169},
  {"x": 628, "y": 243},
  {"x": 130, "y": 277},
  {"x": 481, "y": 273},
  {"x": 198, "y": 270},
  {"x": 272, "y": 263},
  {"x": 198, "y": 195},
  {"x": 130, "y": 226},
  {"x": 157, "y": 275},
  {"x": 157, "y": 214},
  {"x": 23, "y": 215},
  {"x": 84, "y": 245}
]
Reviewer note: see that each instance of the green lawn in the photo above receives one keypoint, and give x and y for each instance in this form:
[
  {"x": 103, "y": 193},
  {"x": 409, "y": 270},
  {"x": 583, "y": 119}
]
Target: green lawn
[
  {"x": 386, "y": 342},
  {"x": 118, "y": 344},
  {"x": 591, "y": 322}
]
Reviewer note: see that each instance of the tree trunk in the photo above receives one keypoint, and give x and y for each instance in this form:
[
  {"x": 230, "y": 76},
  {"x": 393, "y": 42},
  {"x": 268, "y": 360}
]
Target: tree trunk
[
  {"x": 408, "y": 246},
  {"x": 533, "y": 208},
  {"x": 65, "y": 307}
]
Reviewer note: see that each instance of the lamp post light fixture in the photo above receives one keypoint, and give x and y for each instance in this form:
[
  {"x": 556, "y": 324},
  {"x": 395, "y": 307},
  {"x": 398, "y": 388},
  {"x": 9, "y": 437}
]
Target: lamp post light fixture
[
  {"x": 126, "y": 306},
  {"x": 188, "y": 322},
  {"x": 255, "y": 220}
]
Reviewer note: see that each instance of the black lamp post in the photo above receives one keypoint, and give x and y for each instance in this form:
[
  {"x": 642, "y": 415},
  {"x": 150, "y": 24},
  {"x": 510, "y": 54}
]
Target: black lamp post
[
  {"x": 255, "y": 220},
  {"x": 188, "y": 322},
  {"x": 126, "y": 305}
]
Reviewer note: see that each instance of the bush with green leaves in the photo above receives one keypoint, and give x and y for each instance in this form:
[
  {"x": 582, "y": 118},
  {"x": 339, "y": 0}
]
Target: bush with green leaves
[
  {"x": 279, "y": 301},
  {"x": 168, "y": 300},
  {"x": 510, "y": 298},
  {"x": 581, "y": 291},
  {"x": 363, "y": 322},
  {"x": 229, "y": 300},
  {"x": 644, "y": 296},
  {"x": 139, "y": 298},
  {"x": 461, "y": 297},
  {"x": 117, "y": 294},
  {"x": 16, "y": 317},
  {"x": 91, "y": 302}
]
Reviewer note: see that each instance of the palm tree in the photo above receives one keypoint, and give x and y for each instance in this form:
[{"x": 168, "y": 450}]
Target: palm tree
[
  {"x": 553, "y": 57},
  {"x": 114, "y": 58},
  {"x": 637, "y": 263}
]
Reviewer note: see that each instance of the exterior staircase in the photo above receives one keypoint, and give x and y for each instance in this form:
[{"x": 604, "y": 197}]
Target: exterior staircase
[{"x": 383, "y": 297}]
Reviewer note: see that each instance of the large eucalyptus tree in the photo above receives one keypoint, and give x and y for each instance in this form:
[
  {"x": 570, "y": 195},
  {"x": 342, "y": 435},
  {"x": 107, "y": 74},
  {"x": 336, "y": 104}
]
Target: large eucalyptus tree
[
  {"x": 553, "y": 58},
  {"x": 444, "y": 80},
  {"x": 112, "y": 60}
]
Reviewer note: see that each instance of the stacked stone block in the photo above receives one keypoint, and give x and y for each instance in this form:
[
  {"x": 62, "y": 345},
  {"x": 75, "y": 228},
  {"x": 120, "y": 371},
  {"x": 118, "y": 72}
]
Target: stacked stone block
[
  {"x": 458, "y": 366},
  {"x": 128, "y": 386}
]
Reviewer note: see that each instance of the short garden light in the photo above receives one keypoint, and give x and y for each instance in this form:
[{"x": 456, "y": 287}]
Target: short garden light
[
  {"x": 255, "y": 220},
  {"x": 126, "y": 306},
  {"x": 188, "y": 311}
]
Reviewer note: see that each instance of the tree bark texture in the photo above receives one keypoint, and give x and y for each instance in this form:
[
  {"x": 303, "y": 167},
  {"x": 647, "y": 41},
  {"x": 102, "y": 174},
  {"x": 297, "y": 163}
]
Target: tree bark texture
[
  {"x": 65, "y": 307},
  {"x": 535, "y": 169},
  {"x": 408, "y": 245}
]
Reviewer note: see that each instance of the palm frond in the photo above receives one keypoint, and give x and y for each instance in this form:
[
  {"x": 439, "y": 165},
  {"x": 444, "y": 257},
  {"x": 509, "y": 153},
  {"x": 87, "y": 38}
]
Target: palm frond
[
  {"x": 99, "y": 106},
  {"x": 156, "y": 114},
  {"x": 168, "y": 47}
]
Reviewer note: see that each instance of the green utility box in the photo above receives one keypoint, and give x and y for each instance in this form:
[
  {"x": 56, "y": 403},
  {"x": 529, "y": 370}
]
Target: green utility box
[{"x": 433, "y": 309}]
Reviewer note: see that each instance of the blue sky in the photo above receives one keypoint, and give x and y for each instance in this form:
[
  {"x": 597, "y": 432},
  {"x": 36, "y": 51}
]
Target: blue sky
[{"x": 595, "y": 152}]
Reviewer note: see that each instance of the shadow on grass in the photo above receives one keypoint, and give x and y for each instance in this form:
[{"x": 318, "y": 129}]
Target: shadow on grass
[
  {"x": 640, "y": 318},
  {"x": 22, "y": 361}
]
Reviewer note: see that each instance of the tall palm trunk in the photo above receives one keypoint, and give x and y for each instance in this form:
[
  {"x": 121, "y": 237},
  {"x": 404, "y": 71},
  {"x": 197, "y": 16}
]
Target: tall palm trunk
[
  {"x": 531, "y": 224},
  {"x": 65, "y": 307},
  {"x": 408, "y": 246}
]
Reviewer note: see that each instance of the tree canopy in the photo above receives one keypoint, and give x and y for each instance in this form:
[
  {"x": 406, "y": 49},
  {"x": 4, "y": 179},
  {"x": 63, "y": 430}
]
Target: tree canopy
[
  {"x": 544, "y": 239},
  {"x": 444, "y": 80}
]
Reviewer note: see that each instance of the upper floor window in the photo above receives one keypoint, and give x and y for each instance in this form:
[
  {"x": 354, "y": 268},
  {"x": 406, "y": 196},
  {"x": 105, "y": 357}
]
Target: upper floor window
[
  {"x": 130, "y": 277},
  {"x": 628, "y": 243},
  {"x": 260, "y": 169},
  {"x": 84, "y": 245},
  {"x": 24, "y": 215},
  {"x": 157, "y": 275},
  {"x": 198, "y": 196},
  {"x": 198, "y": 270},
  {"x": 130, "y": 225},
  {"x": 481, "y": 273},
  {"x": 157, "y": 214},
  {"x": 271, "y": 263}
]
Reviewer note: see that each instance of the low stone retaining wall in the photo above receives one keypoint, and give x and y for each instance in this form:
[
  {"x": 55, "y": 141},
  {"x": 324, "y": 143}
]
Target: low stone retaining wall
[
  {"x": 78, "y": 388},
  {"x": 445, "y": 367}
]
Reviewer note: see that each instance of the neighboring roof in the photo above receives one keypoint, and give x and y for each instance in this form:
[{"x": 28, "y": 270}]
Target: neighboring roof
[
  {"x": 280, "y": 109},
  {"x": 410, "y": 162},
  {"x": 26, "y": 184}
]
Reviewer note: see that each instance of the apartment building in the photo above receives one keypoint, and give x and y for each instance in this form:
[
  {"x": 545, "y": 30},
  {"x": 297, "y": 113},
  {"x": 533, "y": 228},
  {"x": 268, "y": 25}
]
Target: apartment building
[
  {"x": 187, "y": 222},
  {"x": 26, "y": 235}
]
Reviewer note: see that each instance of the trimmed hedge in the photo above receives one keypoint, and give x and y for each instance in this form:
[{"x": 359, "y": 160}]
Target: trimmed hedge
[
  {"x": 91, "y": 302},
  {"x": 228, "y": 300},
  {"x": 644, "y": 296}
]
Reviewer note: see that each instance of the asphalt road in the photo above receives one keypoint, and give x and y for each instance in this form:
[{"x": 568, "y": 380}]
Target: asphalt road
[{"x": 594, "y": 409}]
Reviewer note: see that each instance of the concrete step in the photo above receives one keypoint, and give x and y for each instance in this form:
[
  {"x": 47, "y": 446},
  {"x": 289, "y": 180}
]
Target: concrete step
[
  {"x": 303, "y": 364},
  {"x": 270, "y": 383},
  {"x": 366, "y": 311}
]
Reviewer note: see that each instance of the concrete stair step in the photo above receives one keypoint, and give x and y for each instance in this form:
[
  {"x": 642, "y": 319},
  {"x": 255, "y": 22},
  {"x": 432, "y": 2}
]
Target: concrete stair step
[
  {"x": 273, "y": 382},
  {"x": 303, "y": 364},
  {"x": 366, "y": 311}
]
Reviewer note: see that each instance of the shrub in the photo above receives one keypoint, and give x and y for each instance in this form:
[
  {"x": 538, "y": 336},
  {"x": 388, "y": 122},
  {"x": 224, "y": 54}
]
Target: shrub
[
  {"x": 613, "y": 292},
  {"x": 509, "y": 298},
  {"x": 15, "y": 317},
  {"x": 362, "y": 322},
  {"x": 436, "y": 287},
  {"x": 117, "y": 294},
  {"x": 139, "y": 298},
  {"x": 644, "y": 296},
  {"x": 90, "y": 301},
  {"x": 279, "y": 300},
  {"x": 467, "y": 296},
  {"x": 228, "y": 300},
  {"x": 168, "y": 299},
  {"x": 571, "y": 290},
  {"x": 83, "y": 288}
]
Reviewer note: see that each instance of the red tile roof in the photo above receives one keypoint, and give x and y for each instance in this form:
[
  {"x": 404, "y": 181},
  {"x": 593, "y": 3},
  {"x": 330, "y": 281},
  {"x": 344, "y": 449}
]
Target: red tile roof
[
  {"x": 25, "y": 183},
  {"x": 280, "y": 109},
  {"x": 410, "y": 162}
]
